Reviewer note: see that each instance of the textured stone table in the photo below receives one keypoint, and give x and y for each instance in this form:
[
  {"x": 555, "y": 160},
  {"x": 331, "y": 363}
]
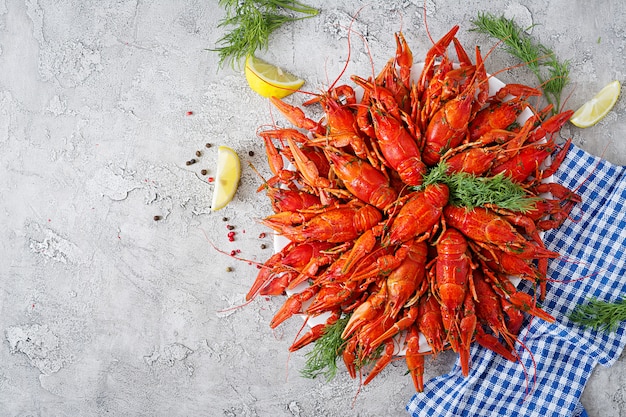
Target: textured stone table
[{"x": 105, "y": 310}]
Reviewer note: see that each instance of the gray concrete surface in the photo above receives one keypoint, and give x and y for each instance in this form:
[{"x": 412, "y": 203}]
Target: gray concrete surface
[{"x": 105, "y": 311}]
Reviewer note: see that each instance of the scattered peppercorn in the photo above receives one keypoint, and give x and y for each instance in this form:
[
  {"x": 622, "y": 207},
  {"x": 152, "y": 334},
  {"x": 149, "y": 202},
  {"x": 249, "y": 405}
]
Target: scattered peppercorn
[
  {"x": 211, "y": 179},
  {"x": 224, "y": 219},
  {"x": 189, "y": 113},
  {"x": 263, "y": 246},
  {"x": 198, "y": 153},
  {"x": 188, "y": 163},
  {"x": 157, "y": 218},
  {"x": 251, "y": 153},
  {"x": 230, "y": 226},
  {"x": 262, "y": 235},
  {"x": 208, "y": 145},
  {"x": 203, "y": 172},
  {"x": 229, "y": 269}
]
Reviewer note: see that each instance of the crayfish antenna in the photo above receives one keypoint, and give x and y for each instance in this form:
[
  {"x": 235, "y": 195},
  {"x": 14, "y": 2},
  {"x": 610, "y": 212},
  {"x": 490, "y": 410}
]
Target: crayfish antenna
[
  {"x": 265, "y": 184},
  {"x": 304, "y": 323},
  {"x": 526, "y": 376},
  {"x": 235, "y": 307},
  {"x": 358, "y": 390}
]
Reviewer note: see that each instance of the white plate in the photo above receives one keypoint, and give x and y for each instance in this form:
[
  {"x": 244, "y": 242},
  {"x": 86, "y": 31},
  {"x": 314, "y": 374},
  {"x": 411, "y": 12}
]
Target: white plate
[{"x": 280, "y": 241}]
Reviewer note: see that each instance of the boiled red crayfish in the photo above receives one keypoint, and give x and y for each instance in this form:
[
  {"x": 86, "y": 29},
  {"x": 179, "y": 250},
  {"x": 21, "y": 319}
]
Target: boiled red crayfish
[{"x": 390, "y": 252}]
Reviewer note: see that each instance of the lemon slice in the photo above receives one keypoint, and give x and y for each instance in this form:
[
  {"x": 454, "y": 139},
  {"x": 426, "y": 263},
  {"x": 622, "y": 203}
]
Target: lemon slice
[
  {"x": 227, "y": 177},
  {"x": 599, "y": 106},
  {"x": 269, "y": 80}
]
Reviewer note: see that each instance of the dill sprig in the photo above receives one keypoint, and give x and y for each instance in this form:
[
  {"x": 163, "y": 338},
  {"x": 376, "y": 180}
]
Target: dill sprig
[
  {"x": 322, "y": 359},
  {"x": 552, "y": 74},
  {"x": 600, "y": 315},
  {"x": 471, "y": 191},
  {"x": 253, "y": 22}
]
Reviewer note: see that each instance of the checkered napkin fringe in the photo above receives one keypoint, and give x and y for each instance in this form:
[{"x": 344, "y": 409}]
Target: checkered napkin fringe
[{"x": 592, "y": 245}]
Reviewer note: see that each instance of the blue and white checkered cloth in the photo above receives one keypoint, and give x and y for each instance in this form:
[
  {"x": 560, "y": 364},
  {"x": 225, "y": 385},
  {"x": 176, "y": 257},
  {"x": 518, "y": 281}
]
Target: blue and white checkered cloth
[{"x": 592, "y": 245}]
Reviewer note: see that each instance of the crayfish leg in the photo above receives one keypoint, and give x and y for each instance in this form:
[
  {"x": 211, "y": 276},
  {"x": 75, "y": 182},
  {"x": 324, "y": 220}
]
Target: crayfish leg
[
  {"x": 381, "y": 363},
  {"x": 315, "y": 332},
  {"x": 489, "y": 341},
  {"x": 292, "y": 305}
]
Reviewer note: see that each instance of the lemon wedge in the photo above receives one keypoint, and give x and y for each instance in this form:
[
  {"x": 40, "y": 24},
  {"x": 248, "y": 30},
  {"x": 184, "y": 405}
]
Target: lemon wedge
[
  {"x": 269, "y": 80},
  {"x": 599, "y": 106},
  {"x": 227, "y": 177}
]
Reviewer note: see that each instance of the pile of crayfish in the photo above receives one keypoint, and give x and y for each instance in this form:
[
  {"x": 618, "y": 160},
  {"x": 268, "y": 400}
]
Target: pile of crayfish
[{"x": 370, "y": 240}]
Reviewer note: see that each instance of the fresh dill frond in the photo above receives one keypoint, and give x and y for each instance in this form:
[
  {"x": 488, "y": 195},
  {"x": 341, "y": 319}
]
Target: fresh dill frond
[
  {"x": 322, "y": 359},
  {"x": 600, "y": 315},
  {"x": 558, "y": 77},
  {"x": 552, "y": 74},
  {"x": 471, "y": 191},
  {"x": 252, "y": 22},
  {"x": 435, "y": 174}
]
